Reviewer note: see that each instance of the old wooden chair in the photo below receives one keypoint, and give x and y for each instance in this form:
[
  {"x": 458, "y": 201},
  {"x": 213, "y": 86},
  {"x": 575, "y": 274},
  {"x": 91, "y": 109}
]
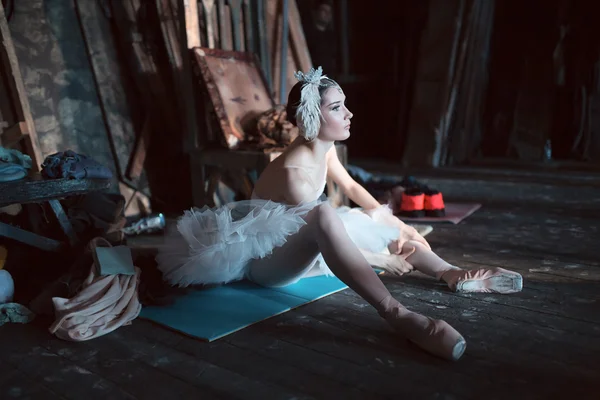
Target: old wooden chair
[
  {"x": 238, "y": 93},
  {"x": 233, "y": 86}
]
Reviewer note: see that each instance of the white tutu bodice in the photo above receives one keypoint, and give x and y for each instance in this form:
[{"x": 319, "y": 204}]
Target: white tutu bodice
[{"x": 216, "y": 245}]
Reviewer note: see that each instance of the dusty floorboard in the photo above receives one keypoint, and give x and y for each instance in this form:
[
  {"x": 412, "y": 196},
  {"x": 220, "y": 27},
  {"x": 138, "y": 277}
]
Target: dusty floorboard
[{"x": 539, "y": 344}]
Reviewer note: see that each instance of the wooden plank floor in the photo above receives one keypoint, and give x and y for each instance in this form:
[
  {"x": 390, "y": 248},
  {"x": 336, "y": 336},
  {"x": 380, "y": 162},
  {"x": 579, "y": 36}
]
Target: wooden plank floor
[{"x": 543, "y": 343}]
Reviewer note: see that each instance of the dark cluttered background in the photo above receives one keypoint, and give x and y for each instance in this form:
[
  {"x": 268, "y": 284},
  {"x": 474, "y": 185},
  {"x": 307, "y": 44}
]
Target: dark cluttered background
[
  {"x": 437, "y": 83},
  {"x": 476, "y": 121},
  {"x": 436, "y": 87}
]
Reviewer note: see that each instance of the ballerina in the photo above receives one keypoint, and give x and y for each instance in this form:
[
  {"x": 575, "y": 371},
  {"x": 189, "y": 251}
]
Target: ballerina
[{"x": 288, "y": 231}]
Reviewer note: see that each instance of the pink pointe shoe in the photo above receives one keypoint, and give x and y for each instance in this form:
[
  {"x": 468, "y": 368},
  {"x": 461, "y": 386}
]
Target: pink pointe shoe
[
  {"x": 483, "y": 280},
  {"x": 434, "y": 336}
]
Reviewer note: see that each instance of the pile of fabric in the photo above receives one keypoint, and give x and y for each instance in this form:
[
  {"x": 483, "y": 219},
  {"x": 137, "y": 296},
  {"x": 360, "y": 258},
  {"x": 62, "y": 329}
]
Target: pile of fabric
[
  {"x": 14, "y": 165},
  {"x": 68, "y": 164},
  {"x": 98, "y": 295},
  {"x": 104, "y": 301}
]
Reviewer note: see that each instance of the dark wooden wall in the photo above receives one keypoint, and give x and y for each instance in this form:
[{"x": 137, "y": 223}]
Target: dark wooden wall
[
  {"x": 383, "y": 40},
  {"x": 536, "y": 79},
  {"x": 83, "y": 96},
  {"x": 58, "y": 79}
]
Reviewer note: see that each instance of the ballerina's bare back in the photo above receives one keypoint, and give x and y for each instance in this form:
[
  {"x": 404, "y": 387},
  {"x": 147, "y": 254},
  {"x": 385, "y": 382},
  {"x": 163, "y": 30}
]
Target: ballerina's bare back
[{"x": 293, "y": 177}]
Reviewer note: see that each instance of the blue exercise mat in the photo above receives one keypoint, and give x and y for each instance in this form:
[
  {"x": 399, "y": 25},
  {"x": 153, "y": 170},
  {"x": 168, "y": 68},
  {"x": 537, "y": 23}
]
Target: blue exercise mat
[{"x": 212, "y": 313}]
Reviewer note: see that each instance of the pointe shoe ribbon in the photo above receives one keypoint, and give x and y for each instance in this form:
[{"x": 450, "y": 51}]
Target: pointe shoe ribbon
[{"x": 483, "y": 280}]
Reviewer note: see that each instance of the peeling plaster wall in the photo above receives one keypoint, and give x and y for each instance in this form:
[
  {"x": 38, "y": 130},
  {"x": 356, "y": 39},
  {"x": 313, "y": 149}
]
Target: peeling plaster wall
[{"x": 58, "y": 79}]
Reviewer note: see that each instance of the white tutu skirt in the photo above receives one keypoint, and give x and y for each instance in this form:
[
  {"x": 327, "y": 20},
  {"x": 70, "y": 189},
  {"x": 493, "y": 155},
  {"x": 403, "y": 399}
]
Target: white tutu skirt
[{"x": 216, "y": 245}]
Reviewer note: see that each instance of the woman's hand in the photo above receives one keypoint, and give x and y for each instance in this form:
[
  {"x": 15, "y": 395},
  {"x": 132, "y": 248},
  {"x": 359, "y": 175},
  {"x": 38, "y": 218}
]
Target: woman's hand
[
  {"x": 396, "y": 265},
  {"x": 384, "y": 215},
  {"x": 407, "y": 233}
]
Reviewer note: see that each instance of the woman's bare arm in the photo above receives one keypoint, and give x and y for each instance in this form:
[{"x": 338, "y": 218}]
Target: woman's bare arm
[
  {"x": 360, "y": 196},
  {"x": 351, "y": 188}
]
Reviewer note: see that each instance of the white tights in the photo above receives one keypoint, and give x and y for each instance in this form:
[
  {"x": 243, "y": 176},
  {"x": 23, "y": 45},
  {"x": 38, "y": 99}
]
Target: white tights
[{"x": 324, "y": 233}]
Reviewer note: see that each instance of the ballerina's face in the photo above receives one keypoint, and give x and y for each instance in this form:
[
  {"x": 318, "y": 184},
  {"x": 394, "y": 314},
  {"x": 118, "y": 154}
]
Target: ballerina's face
[{"x": 336, "y": 117}]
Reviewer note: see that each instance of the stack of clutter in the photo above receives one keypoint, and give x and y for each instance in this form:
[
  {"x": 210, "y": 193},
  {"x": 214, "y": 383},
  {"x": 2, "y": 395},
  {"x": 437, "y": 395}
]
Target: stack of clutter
[
  {"x": 99, "y": 291},
  {"x": 95, "y": 287}
]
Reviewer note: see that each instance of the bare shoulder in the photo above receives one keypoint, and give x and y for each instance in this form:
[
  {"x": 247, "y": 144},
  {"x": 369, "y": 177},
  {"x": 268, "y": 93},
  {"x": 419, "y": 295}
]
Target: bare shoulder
[{"x": 297, "y": 156}]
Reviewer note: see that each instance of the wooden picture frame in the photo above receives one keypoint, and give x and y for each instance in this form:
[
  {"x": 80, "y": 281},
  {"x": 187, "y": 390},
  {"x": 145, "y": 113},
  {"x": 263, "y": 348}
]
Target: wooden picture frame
[{"x": 236, "y": 88}]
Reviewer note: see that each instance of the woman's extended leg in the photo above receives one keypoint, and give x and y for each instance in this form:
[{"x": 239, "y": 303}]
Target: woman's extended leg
[
  {"x": 325, "y": 233},
  {"x": 485, "y": 280}
]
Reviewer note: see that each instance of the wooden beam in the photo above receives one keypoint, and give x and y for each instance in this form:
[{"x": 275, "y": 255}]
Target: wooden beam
[
  {"x": 168, "y": 27},
  {"x": 173, "y": 6},
  {"x": 157, "y": 93},
  {"x": 249, "y": 27},
  {"x": 298, "y": 40},
  {"x": 263, "y": 43},
  {"x": 187, "y": 42},
  {"x": 29, "y": 238},
  {"x": 110, "y": 86},
  {"x": 37, "y": 190},
  {"x": 209, "y": 15},
  {"x": 284, "y": 52},
  {"x": 224, "y": 25},
  {"x": 192, "y": 24},
  {"x": 138, "y": 156},
  {"x": 430, "y": 80},
  {"x": 275, "y": 19},
  {"x": 17, "y": 89},
  {"x": 235, "y": 8}
]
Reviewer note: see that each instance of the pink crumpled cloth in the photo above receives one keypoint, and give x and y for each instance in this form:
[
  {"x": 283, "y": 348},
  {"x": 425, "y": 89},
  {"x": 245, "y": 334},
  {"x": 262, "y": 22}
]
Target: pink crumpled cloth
[{"x": 103, "y": 304}]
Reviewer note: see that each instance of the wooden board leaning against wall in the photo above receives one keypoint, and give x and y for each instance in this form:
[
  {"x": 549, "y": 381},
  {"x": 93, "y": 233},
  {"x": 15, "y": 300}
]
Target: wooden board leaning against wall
[{"x": 16, "y": 122}]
